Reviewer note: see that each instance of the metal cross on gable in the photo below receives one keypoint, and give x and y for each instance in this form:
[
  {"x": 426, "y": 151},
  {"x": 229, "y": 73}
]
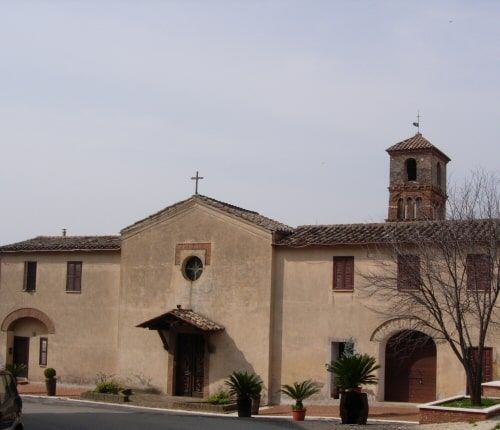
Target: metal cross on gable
[
  {"x": 196, "y": 178},
  {"x": 417, "y": 124}
]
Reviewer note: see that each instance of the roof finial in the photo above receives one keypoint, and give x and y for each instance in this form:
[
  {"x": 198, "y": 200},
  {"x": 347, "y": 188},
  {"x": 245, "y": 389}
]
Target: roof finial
[
  {"x": 64, "y": 232},
  {"x": 196, "y": 178},
  {"x": 417, "y": 124}
]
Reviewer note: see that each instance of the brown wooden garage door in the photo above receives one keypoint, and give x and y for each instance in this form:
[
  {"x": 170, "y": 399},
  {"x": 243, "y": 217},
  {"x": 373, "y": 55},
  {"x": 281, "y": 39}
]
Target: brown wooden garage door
[{"x": 410, "y": 368}]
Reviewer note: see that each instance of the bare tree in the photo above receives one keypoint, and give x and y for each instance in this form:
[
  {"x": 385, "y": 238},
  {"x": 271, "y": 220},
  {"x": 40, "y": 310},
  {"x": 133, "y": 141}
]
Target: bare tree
[{"x": 443, "y": 276}]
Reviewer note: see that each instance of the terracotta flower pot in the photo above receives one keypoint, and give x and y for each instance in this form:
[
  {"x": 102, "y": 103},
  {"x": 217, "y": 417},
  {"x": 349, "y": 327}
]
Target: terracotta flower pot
[{"x": 299, "y": 415}]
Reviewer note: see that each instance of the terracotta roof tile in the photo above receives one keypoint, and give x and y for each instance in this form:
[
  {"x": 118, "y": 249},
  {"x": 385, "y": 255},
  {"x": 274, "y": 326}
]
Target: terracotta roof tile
[
  {"x": 415, "y": 143},
  {"x": 387, "y": 232},
  {"x": 182, "y": 316},
  {"x": 246, "y": 214},
  {"x": 65, "y": 243}
]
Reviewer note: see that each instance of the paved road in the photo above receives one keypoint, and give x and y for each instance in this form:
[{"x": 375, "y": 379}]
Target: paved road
[{"x": 55, "y": 414}]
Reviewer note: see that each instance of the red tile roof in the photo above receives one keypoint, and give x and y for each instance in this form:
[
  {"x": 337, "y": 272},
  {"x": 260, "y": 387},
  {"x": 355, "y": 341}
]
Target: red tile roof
[
  {"x": 251, "y": 216},
  {"x": 416, "y": 143},
  {"x": 178, "y": 317},
  {"x": 388, "y": 232},
  {"x": 65, "y": 243}
]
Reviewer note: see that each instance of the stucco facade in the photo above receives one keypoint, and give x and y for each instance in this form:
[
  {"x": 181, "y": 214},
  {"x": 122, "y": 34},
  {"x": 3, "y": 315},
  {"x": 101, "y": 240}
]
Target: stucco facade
[
  {"x": 74, "y": 347},
  {"x": 261, "y": 304}
]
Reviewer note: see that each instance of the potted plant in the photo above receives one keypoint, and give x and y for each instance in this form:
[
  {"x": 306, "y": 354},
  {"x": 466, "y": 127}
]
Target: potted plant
[
  {"x": 256, "y": 400},
  {"x": 244, "y": 386},
  {"x": 300, "y": 391},
  {"x": 352, "y": 371},
  {"x": 50, "y": 381},
  {"x": 16, "y": 370}
]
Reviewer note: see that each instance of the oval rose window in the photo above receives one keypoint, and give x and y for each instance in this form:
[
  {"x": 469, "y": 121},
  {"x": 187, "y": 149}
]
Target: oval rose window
[{"x": 193, "y": 268}]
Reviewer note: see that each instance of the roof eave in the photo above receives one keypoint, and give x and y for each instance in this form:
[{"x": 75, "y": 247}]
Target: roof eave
[{"x": 14, "y": 251}]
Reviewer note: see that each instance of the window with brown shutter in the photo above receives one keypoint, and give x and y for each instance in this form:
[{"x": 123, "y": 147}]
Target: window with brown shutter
[
  {"x": 408, "y": 272},
  {"x": 478, "y": 272},
  {"x": 29, "y": 275},
  {"x": 343, "y": 273},
  {"x": 74, "y": 278},
  {"x": 44, "y": 347}
]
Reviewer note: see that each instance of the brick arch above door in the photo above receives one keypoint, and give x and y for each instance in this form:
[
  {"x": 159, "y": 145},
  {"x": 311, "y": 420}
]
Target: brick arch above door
[
  {"x": 16, "y": 315},
  {"x": 385, "y": 330}
]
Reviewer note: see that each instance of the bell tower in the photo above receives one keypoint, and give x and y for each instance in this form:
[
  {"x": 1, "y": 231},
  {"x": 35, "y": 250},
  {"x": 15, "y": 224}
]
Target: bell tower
[{"x": 417, "y": 183}]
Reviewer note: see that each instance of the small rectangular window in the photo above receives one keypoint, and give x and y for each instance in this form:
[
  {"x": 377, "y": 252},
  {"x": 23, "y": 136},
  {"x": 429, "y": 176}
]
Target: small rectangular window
[
  {"x": 44, "y": 347},
  {"x": 343, "y": 273},
  {"x": 74, "y": 277},
  {"x": 478, "y": 272},
  {"x": 409, "y": 272},
  {"x": 29, "y": 275}
]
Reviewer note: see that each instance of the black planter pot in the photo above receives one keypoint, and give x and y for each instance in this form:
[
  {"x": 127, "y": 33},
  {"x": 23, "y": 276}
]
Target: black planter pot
[
  {"x": 255, "y": 405},
  {"x": 50, "y": 384},
  {"x": 353, "y": 407},
  {"x": 244, "y": 407}
]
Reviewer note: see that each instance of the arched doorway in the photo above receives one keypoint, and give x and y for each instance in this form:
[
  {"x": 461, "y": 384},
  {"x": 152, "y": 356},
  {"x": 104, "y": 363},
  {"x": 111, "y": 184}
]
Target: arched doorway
[
  {"x": 26, "y": 330},
  {"x": 410, "y": 367}
]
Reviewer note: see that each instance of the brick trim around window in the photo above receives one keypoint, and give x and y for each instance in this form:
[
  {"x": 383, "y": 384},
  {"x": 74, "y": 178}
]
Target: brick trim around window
[{"x": 207, "y": 247}]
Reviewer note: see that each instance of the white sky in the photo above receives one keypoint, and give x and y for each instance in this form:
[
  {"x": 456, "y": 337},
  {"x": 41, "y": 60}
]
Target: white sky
[{"x": 107, "y": 108}]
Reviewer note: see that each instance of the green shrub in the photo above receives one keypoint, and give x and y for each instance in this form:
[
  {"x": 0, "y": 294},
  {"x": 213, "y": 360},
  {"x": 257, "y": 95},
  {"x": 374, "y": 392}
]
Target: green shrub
[
  {"x": 107, "y": 387},
  {"x": 353, "y": 371},
  {"x": 299, "y": 391},
  {"x": 244, "y": 384},
  {"x": 219, "y": 398},
  {"x": 49, "y": 373},
  {"x": 106, "y": 384},
  {"x": 16, "y": 369}
]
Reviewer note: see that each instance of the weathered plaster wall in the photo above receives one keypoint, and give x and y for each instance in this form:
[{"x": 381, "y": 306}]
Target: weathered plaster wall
[
  {"x": 309, "y": 315},
  {"x": 234, "y": 291},
  {"x": 85, "y": 338}
]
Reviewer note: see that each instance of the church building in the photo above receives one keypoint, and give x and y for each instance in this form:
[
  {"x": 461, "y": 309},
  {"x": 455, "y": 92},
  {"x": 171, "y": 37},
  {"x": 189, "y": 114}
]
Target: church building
[{"x": 182, "y": 298}]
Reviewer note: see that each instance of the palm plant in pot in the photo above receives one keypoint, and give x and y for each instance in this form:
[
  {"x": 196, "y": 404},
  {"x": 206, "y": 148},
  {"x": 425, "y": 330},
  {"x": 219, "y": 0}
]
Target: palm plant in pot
[
  {"x": 244, "y": 386},
  {"x": 299, "y": 391},
  {"x": 17, "y": 370},
  {"x": 352, "y": 371}
]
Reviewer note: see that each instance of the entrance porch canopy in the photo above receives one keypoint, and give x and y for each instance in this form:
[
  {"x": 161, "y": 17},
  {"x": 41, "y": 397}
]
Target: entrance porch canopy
[{"x": 181, "y": 317}]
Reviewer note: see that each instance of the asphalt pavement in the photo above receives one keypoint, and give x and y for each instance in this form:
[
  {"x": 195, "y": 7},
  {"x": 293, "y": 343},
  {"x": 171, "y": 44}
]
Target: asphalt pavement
[{"x": 55, "y": 414}]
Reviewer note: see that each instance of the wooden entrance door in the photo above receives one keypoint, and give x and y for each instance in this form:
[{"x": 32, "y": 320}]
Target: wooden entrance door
[
  {"x": 190, "y": 363},
  {"x": 410, "y": 368},
  {"x": 21, "y": 353}
]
